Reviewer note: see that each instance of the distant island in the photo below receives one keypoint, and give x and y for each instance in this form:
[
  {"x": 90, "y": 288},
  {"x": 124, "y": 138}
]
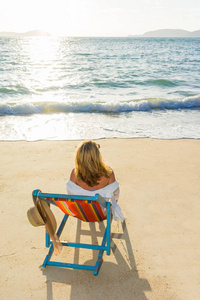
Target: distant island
[
  {"x": 169, "y": 33},
  {"x": 156, "y": 33},
  {"x": 24, "y": 34}
]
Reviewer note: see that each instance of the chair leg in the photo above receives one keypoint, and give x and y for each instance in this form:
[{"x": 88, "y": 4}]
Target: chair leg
[
  {"x": 97, "y": 267},
  {"x": 47, "y": 238},
  {"x": 51, "y": 249},
  {"x": 62, "y": 225},
  {"x": 100, "y": 256},
  {"x": 48, "y": 257},
  {"x": 105, "y": 241},
  {"x": 108, "y": 229}
]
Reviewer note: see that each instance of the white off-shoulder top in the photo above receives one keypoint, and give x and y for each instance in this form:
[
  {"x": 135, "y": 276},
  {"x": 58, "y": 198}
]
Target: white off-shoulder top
[{"x": 109, "y": 192}]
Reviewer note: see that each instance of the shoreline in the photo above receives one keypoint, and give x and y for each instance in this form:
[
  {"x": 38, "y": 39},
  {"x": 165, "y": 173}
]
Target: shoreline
[
  {"x": 103, "y": 138},
  {"x": 157, "y": 254}
]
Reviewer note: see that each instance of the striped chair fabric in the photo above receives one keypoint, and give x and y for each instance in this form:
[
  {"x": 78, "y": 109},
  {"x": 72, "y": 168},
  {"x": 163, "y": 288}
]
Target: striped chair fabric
[{"x": 87, "y": 210}]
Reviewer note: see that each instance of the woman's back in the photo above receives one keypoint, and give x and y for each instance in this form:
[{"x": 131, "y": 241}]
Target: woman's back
[{"x": 102, "y": 182}]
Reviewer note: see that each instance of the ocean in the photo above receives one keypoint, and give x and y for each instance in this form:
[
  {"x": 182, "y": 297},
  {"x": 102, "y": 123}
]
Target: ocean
[{"x": 54, "y": 88}]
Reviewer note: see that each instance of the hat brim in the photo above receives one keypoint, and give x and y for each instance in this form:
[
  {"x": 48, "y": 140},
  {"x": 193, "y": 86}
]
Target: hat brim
[
  {"x": 40, "y": 214},
  {"x": 34, "y": 217}
]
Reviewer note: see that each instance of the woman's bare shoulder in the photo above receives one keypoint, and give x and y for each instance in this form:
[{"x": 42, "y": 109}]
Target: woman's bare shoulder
[
  {"x": 72, "y": 176},
  {"x": 112, "y": 177}
]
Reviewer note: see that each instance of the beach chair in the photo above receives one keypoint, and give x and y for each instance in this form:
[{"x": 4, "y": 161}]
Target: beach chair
[{"x": 86, "y": 209}]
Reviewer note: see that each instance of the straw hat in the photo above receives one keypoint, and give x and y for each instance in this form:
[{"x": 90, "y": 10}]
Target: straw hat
[{"x": 39, "y": 214}]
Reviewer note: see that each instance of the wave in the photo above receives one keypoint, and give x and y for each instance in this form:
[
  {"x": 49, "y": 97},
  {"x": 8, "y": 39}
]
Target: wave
[
  {"x": 123, "y": 82},
  {"x": 99, "y": 107},
  {"x": 14, "y": 89},
  {"x": 155, "y": 82},
  {"x": 160, "y": 82}
]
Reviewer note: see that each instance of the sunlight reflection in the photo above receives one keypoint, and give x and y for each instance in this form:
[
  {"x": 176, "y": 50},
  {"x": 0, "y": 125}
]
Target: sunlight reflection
[
  {"x": 43, "y": 56},
  {"x": 43, "y": 49}
]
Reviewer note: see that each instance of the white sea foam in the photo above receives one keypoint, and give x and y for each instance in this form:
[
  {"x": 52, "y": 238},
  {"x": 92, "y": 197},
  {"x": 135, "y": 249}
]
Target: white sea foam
[{"x": 102, "y": 107}]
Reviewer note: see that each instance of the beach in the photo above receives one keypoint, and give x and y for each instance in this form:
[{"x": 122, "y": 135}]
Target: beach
[{"x": 155, "y": 253}]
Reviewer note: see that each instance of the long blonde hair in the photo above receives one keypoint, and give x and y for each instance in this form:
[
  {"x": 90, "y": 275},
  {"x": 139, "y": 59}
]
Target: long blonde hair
[{"x": 89, "y": 165}]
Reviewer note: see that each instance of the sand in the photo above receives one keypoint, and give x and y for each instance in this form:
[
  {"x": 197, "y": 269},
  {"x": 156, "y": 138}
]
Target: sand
[{"x": 155, "y": 254}]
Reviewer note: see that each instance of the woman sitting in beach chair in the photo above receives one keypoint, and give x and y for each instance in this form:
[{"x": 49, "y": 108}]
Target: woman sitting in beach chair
[
  {"x": 92, "y": 175},
  {"x": 89, "y": 177}
]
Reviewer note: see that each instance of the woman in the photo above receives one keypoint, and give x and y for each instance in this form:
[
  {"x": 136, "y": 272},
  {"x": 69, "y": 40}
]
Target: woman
[{"x": 91, "y": 174}]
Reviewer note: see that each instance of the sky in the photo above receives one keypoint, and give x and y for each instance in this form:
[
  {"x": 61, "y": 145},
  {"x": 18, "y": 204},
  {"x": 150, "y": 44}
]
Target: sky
[{"x": 99, "y": 17}]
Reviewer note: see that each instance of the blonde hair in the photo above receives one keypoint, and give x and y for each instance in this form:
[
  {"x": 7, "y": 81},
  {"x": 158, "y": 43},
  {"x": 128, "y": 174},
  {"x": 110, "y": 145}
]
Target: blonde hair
[{"x": 89, "y": 165}]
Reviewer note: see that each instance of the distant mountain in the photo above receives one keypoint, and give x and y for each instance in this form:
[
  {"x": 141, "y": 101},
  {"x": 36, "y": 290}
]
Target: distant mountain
[
  {"x": 169, "y": 33},
  {"x": 24, "y": 34}
]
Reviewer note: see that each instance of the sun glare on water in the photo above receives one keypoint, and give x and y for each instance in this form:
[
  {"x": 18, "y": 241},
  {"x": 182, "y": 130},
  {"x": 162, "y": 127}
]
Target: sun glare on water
[
  {"x": 42, "y": 56},
  {"x": 42, "y": 49}
]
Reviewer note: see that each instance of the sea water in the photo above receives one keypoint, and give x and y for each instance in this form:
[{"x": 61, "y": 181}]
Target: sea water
[{"x": 57, "y": 88}]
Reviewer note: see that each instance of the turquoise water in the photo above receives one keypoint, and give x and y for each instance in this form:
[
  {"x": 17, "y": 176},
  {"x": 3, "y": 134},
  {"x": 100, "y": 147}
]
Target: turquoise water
[{"x": 80, "y": 88}]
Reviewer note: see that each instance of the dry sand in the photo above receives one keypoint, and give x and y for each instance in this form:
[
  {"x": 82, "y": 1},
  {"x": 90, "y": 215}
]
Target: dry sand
[{"x": 155, "y": 255}]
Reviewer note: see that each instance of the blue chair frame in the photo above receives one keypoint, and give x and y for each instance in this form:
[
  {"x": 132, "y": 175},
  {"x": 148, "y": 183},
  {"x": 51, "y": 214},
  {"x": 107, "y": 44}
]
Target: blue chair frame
[{"x": 105, "y": 245}]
